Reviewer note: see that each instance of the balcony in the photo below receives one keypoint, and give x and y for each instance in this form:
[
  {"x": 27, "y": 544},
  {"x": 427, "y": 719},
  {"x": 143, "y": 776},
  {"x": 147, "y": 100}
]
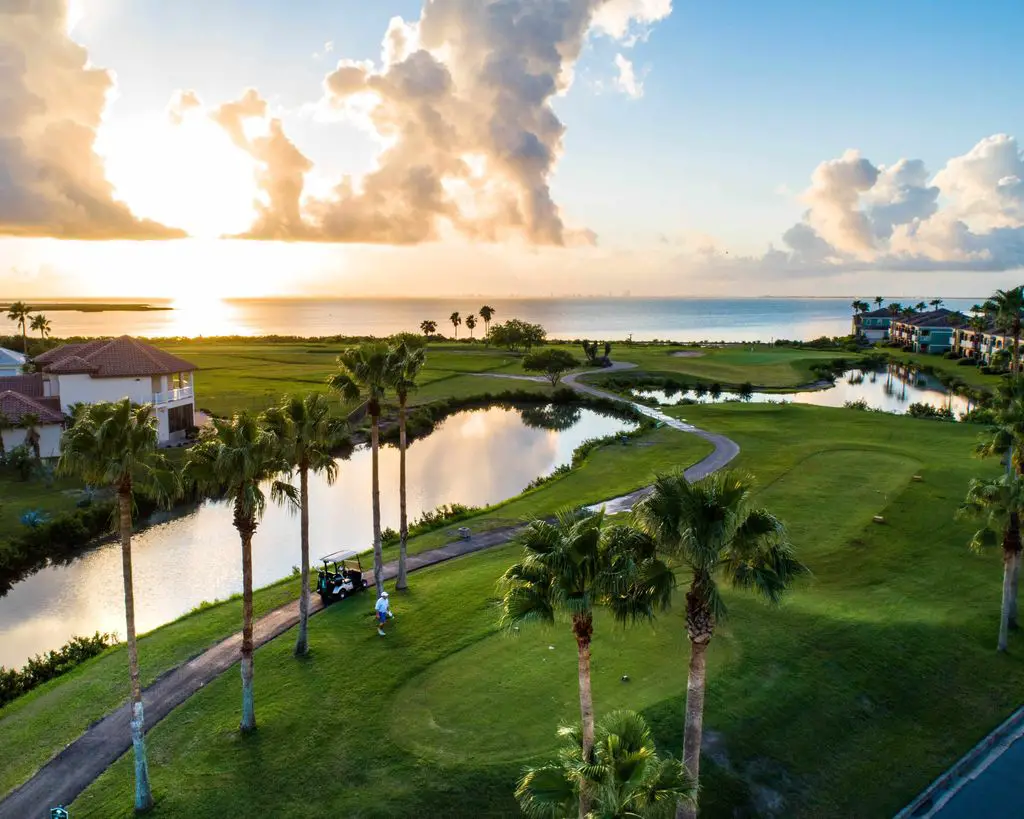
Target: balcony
[{"x": 172, "y": 395}]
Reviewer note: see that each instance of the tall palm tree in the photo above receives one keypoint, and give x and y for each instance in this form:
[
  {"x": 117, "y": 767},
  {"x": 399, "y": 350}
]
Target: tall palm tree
[
  {"x": 428, "y": 327},
  {"x": 366, "y": 371},
  {"x": 42, "y": 324},
  {"x": 895, "y": 308},
  {"x": 471, "y": 324},
  {"x": 920, "y": 306},
  {"x": 573, "y": 566},
  {"x": 879, "y": 300},
  {"x": 487, "y": 313},
  {"x": 19, "y": 312},
  {"x": 30, "y": 422},
  {"x": 626, "y": 776},
  {"x": 713, "y": 530},
  {"x": 405, "y": 367},
  {"x": 306, "y": 432},
  {"x": 231, "y": 462},
  {"x": 1007, "y": 308},
  {"x": 998, "y": 503},
  {"x": 456, "y": 320},
  {"x": 115, "y": 445}
]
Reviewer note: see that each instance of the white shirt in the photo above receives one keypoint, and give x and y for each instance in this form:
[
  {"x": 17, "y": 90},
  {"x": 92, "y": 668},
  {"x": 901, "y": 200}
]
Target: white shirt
[{"x": 383, "y": 606}]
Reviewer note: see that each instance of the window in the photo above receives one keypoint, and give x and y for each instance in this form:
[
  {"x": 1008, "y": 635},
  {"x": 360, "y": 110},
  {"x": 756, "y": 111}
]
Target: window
[{"x": 179, "y": 419}]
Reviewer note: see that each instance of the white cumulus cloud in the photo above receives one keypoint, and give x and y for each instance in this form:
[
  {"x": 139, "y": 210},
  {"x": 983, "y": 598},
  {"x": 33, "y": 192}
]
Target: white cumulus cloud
[{"x": 627, "y": 82}]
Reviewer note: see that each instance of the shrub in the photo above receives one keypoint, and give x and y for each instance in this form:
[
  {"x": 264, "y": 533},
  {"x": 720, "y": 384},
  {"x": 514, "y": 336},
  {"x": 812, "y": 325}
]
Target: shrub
[
  {"x": 966, "y": 362},
  {"x": 979, "y": 415},
  {"x": 920, "y": 410},
  {"x": 430, "y": 521},
  {"x": 860, "y": 405},
  {"x": 41, "y": 668}
]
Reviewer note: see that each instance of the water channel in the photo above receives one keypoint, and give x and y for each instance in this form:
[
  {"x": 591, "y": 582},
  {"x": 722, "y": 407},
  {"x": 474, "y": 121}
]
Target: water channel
[
  {"x": 474, "y": 458},
  {"x": 888, "y": 391}
]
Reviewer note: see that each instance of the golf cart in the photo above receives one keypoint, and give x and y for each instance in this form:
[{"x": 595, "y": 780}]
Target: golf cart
[{"x": 340, "y": 576}]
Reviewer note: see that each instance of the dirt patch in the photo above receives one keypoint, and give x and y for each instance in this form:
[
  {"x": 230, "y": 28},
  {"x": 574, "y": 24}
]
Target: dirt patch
[{"x": 687, "y": 354}]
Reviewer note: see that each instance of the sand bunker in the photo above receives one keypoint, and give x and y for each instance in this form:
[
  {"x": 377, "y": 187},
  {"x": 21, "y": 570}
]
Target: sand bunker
[{"x": 687, "y": 354}]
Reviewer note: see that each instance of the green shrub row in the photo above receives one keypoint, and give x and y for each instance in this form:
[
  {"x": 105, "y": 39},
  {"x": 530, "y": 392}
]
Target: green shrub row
[
  {"x": 41, "y": 668},
  {"x": 430, "y": 521}
]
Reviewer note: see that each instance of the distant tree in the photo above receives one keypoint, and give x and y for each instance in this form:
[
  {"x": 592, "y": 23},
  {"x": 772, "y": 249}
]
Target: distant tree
[
  {"x": 234, "y": 461},
  {"x": 553, "y": 363},
  {"x": 456, "y": 320},
  {"x": 40, "y": 323},
  {"x": 978, "y": 310},
  {"x": 20, "y": 313},
  {"x": 625, "y": 775},
  {"x": 700, "y": 389},
  {"x": 414, "y": 341},
  {"x": 878, "y": 301},
  {"x": 487, "y": 313},
  {"x": 406, "y": 363},
  {"x": 367, "y": 371},
  {"x": 715, "y": 391},
  {"x": 936, "y": 303},
  {"x": 920, "y": 307},
  {"x": 607, "y": 349},
  {"x": 516, "y": 335},
  {"x": 956, "y": 319},
  {"x": 471, "y": 324},
  {"x": 895, "y": 308},
  {"x": 115, "y": 446},
  {"x": 30, "y": 422},
  {"x": 746, "y": 391},
  {"x": 428, "y": 327}
]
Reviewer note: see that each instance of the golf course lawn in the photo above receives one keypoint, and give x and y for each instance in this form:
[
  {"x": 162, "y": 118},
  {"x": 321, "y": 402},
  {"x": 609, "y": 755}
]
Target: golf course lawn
[
  {"x": 876, "y": 673},
  {"x": 43, "y": 721}
]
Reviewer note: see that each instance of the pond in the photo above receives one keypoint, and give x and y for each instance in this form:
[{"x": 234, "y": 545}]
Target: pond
[
  {"x": 474, "y": 458},
  {"x": 892, "y": 390}
]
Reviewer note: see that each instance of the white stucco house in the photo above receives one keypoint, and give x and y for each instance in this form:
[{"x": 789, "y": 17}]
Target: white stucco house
[
  {"x": 11, "y": 362},
  {"x": 24, "y": 417},
  {"x": 115, "y": 368}
]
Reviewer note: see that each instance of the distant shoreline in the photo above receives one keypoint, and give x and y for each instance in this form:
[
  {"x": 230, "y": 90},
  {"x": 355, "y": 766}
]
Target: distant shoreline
[{"x": 87, "y": 307}]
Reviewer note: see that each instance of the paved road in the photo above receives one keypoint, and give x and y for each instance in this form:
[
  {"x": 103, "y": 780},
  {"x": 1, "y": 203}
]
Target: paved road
[{"x": 72, "y": 770}]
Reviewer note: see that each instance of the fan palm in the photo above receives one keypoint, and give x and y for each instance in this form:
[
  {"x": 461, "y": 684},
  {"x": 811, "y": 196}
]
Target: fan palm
[
  {"x": 366, "y": 371},
  {"x": 19, "y": 312},
  {"x": 428, "y": 327},
  {"x": 879, "y": 300},
  {"x": 487, "y": 313},
  {"x": 1007, "y": 308},
  {"x": 712, "y": 529},
  {"x": 42, "y": 324},
  {"x": 625, "y": 775},
  {"x": 232, "y": 462},
  {"x": 456, "y": 320},
  {"x": 405, "y": 366},
  {"x": 997, "y": 503},
  {"x": 573, "y": 566},
  {"x": 471, "y": 324},
  {"x": 115, "y": 445},
  {"x": 306, "y": 432}
]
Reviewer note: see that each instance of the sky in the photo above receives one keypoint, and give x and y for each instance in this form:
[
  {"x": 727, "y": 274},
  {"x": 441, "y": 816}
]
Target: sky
[{"x": 535, "y": 147}]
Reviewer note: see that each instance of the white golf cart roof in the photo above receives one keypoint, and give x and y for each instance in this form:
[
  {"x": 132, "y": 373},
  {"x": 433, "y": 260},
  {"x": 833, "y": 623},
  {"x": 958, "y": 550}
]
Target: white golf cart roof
[{"x": 337, "y": 557}]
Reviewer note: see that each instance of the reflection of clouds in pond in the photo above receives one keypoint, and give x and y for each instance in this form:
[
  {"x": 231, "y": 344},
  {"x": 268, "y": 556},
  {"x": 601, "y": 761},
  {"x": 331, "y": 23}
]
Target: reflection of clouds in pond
[{"x": 474, "y": 458}]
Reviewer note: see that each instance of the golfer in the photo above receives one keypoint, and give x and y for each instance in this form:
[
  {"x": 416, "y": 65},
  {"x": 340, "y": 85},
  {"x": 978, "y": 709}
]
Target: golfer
[{"x": 383, "y": 609}]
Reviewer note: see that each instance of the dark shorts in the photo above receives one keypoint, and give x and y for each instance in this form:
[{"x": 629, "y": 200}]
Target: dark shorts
[{"x": 382, "y": 617}]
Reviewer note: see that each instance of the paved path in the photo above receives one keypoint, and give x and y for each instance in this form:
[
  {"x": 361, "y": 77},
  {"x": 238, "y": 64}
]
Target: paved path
[{"x": 72, "y": 770}]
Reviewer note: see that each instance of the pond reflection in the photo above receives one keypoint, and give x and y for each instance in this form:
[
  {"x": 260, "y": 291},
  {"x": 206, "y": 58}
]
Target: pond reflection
[{"x": 474, "y": 458}]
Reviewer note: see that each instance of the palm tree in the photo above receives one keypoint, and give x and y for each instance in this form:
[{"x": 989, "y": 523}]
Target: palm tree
[
  {"x": 920, "y": 306},
  {"x": 305, "y": 431},
  {"x": 5, "y": 424},
  {"x": 428, "y": 327},
  {"x": 569, "y": 568},
  {"x": 626, "y": 776},
  {"x": 30, "y": 422},
  {"x": 405, "y": 367},
  {"x": 936, "y": 303},
  {"x": 711, "y": 528},
  {"x": 115, "y": 445},
  {"x": 487, "y": 313},
  {"x": 1007, "y": 308},
  {"x": 232, "y": 462},
  {"x": 997, "y": 502},
  {"x": 42, "y": 324},
  {"x": 471, "y": 324},
  {"x": 366, "y": 371},
  {"x": 456, "y": 320},
  {"x": 19, "y": 312},
  {"x": 895, "y": 308},
  {"x": 878, "y": 301}
]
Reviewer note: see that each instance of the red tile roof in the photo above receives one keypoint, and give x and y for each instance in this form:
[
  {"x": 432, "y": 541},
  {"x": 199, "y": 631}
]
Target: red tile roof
[
  {"x": 16, "y": 406},
  {"x": 123, "y": 357},
  {"x": 30, "y": 385}
]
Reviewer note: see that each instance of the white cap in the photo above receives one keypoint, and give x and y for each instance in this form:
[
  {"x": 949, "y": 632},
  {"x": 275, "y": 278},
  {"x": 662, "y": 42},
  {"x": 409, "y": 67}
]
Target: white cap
[{"x": 383, "y": 594}]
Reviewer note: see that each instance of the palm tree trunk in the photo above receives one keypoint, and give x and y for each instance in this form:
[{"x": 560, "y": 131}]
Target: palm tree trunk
[
  {"x": 302, "y": 641},
  {"x": 1004, "y": 613},
  {"x": 693, "y": 732},
  {"x": 583, "y": 630},
  {"x": 403, "y": 525},
  {"x": 378, "y": 552},
  {"x": 248, "y": 705},
  {"x": 24, "y": 338},
  {"x": 143, "y": 793},
  {"x": 1014, "y": 578}
]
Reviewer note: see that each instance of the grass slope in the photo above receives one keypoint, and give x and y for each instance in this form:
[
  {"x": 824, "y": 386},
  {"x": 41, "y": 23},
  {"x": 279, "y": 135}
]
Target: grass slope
[{"x": 875, "y": 674}]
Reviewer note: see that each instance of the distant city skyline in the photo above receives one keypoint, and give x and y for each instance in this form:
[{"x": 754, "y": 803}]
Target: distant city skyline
[{"x": 691, "y": 148}]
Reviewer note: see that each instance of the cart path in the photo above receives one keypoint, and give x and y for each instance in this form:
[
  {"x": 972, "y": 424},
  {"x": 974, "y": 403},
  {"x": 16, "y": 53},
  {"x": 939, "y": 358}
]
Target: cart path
[{"x": 73, "y": 769}]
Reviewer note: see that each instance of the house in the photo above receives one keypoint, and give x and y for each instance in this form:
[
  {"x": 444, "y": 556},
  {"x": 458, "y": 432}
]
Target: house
[
  {"x": 874, "y": 325},
  {"x": 969, "y": 342},
  {"x": 25, "y": 418},
  {"x": 115, "y": 368},
  {"x": 11, "y": 362},
  {"x": 926, "y": 332}
]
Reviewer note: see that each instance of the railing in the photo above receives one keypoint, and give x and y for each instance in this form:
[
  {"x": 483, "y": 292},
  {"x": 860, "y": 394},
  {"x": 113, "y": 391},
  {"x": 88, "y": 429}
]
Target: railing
[{"x": 172, "y": 395}]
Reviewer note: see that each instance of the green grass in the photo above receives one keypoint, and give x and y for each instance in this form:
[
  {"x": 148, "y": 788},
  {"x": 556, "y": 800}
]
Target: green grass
[
  {"x": 48, "y": 718},
  {"x": 875, "y": 674},
  {"x": 22, "y": 496},
  {"x": 971, "y": 375}
]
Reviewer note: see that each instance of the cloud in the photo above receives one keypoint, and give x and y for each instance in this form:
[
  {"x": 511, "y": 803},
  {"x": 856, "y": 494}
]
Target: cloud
[
  {"x": 969, "y": 216},
  {"x": 461, "y": 103},
  {"x": 627, "y": 81},
  {"x": 52, "y": 182},
  {"x": 181, "y": 103}
]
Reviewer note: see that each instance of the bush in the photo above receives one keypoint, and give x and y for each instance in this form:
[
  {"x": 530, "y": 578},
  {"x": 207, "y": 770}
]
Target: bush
[
  {"x": 41, "y": 668},
  {"x": 966, "y": 362},
  {"x": 553, "y": 363},
  {"x": 951, "y": 356},
  {"x": 430, "y": 521},
  {"x": 921, "y": 410},
  {"x": 860, "y": 405},
  {"x": 557, "y": 473},
  {"x": 979, "y": 415}
]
